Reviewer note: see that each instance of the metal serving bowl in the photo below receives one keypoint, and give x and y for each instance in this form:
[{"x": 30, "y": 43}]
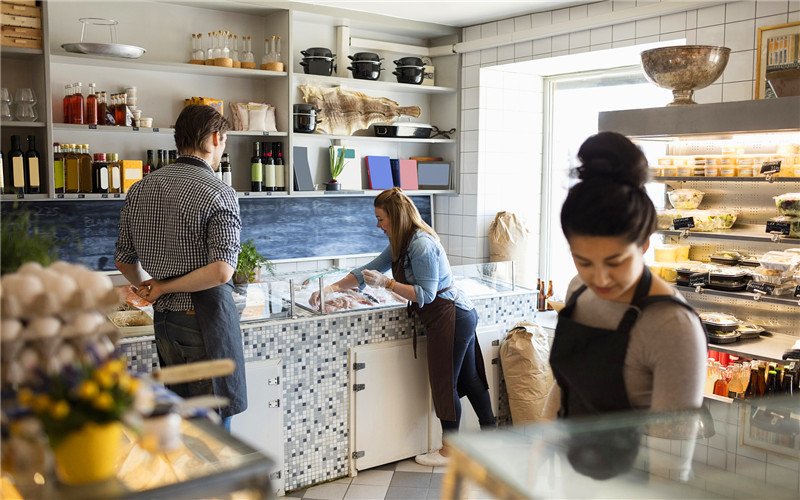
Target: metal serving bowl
[{"x": 684, "y": 69}]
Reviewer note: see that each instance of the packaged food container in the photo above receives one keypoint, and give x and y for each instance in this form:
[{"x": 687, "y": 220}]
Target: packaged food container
[
  {"x": 669, "y": 272},
  {"x": 772, "y": 276},
  {"x": 726, "y": 258},
  {"x": 732, "y": 279},
  {"x": 685, "y": 198},
  {"x": 664, "y": 218},
  {"x": 699, "y": 166},
  {"x": 685, "y": 270},
  {"x": 745, "y": 167},
  {"x": 727, "y": 171},
  {"x": 793, "y": 221},
  {"x": 665, "y": 162},
  {"x": 656, "y": 172},
  {"x": 685, "y": 170},
  {"x": 749, "y": 330},
  {"x": 780, "y": 261},
  {"x": 666, "y": 253},
  {"x": 788, "y": 204},
  {"x": 723, "y": 219},
  {"x": 719, "y": 322},
  {"x": 682, "y": 253},
  {"x": 749, "y": 260},
  {"x": 670, "y": 171},
  {"x": 717, "y": 337},
  {"x": 711, "y": 170}
]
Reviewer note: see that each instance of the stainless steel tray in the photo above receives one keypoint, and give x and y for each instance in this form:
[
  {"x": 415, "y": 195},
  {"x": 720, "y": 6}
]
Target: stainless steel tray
[{"x": 105, "y": 49}]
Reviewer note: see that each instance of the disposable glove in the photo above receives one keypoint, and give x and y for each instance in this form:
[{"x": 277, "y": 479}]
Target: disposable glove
[
  {"x": 376, "y": 279},
  {"x": 314, "y": 299}
]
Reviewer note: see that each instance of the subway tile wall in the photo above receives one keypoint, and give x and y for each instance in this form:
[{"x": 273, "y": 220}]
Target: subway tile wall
[
  {"x": 501, "y": 113},
  {"x": 314, "y": 355}
]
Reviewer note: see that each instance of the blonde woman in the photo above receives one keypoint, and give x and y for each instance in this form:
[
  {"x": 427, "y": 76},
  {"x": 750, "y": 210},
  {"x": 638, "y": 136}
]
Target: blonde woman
[{"x": 421, "y": 274}]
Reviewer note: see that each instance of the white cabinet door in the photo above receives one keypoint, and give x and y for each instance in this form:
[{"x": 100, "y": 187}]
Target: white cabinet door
[
  {"x": 261, "y": 425},
  {"x": 390, "y": 402}
]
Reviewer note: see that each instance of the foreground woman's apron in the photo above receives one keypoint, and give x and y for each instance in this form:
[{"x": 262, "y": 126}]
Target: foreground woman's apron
[{"x": 439, "y": 320}]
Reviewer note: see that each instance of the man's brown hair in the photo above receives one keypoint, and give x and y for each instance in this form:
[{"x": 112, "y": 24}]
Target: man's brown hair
[{"x": 195, "y": 124}]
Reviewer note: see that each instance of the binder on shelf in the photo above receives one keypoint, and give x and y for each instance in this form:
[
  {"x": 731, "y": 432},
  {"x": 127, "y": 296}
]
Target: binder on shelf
[
  {"x": 302, "y": 170},
  {"x": 433, "y": 174},
  {"x": 395, "y": 164},
  {"x": 379, "y": 172},
  {"x": 404, "y": 174}
]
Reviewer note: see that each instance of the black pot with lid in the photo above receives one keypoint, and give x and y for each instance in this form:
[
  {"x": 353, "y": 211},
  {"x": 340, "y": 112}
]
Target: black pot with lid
[
  {"x": 365, "y": 56},
  {"x": 409, "y": 74},
  {"x": 318, "y": 52},
  {"x": 304, "y": 118},
  {"x": 365, "y": 70},
  {"x": 318, "y": 65},
  {"x": 410, "y": 61}
]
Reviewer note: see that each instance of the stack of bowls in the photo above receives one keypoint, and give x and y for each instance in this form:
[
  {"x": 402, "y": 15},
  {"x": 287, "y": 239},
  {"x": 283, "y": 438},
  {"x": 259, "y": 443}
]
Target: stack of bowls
[
  {"x": 365, "y": 65},
  {"x": 409, "y": 70},
  {"x": 318, "y": 61}
]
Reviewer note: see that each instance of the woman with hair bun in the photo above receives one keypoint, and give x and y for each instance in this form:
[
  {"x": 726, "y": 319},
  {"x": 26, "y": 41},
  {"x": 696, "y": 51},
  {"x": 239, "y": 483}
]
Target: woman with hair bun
[
  {"x": 625, "y": 339},
  {"x": 422, "y": 275}
]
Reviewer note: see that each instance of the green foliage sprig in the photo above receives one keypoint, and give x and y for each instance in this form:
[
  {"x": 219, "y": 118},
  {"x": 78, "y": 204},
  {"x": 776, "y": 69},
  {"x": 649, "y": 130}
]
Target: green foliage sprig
[
  {"x": 337, "y": 161},
  {"x": 19, "y": 243},
  {"x": 249, "y": 261}
]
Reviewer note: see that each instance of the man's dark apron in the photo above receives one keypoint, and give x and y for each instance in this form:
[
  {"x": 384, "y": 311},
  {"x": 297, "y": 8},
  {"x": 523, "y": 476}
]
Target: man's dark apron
[
  {"x": 218, "y": 321},
  {"x": 439, "y": 320},
  {"x": 588, "y": 362}
]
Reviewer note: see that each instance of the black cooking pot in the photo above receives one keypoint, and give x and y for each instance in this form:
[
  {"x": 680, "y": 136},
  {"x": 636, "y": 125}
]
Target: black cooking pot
[
  {"x": 304, "y": 118},
  {"x": 366, "y": 70},
  {"x": 365, "y": 56},
  {"x": 318, "y": 51},
  {"x": 318, "y": 66},
  {"x": 409, "y": 61},
  {"x": 409, "y": 74}
]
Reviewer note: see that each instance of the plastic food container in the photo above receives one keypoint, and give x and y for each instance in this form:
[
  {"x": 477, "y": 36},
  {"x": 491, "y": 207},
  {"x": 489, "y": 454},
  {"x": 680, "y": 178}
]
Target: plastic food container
[
  {"x": 794, "y": 224},
  {"x": 773, "y": 276},
  {"x": 722, "y": 219},
  {"x": 780, "y": 261},
  {"x": 732, "y": 279},
  {"x": 788, "y": 204},
  {"x": 749, "y": 261},
  {"x": 686, "y": 269},
  {"x": 682, "y": 253},
  {"x": 666, "y": 253},
  {"x": 717, "y": 337},
  {"x": 664, "y": 218},
  {"x": 749, "y": 330},
  {"x": 719, "y": 323},
  {"x": 688, "y": 199},
  {"x": 726, "y": 258},
  {"x": 665, "y": 162}
]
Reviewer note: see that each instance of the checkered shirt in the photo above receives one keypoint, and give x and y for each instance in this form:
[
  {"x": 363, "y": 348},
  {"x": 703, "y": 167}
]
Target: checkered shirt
[{"x": 178, "y": 219}]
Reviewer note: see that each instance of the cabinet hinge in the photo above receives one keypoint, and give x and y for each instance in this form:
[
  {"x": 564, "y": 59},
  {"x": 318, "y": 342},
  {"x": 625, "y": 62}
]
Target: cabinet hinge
[
  {"x": 275, "y": 403},
  {"x": 358, "y": 387},
  {"x": 275, "y": 475},
  {"x": 359, "y": 366},
  {"x": 495, "y": 361},
  {"x": 495, "y": 343},
  {"x": 274, "y": 381},
  {"x": 358, "y": 454}
]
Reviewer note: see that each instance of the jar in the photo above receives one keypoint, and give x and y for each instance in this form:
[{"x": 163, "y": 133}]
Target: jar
[
  {"x": 656, "y": 172},
  {"x": 665, "y": 162},
  {"x": 745, "y": 167},
  {"x": 685, "y": 170},
  {"x": 727, "y": 168},
  {"x": 699, "y": 166},
  {"x": 670, "y": 171},
  {"x": 712, "y": 170}
]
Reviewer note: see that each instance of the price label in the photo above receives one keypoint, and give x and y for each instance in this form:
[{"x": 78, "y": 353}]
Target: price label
[
  {"x": 104, "y": 195},
  {"x": 155, "y": 129},
  {"x": 699, "y": 279},
  {"x": 777, "y": 227},
  {"x": 771, "y": 167},
  {"x": 797, "y": 291},
  {"x": 20, "y": 196},
  {"x": 135, "y": 129},
  {"x": 93, "y": 127},
  {"x": 683, "y": 223},
  {"x": 81, "y": 196},
  {"x": 755, "y": 286},
  {"x": 117, "y": 195},
  {"x": 60, "y": 196},
  {"x": 265, "y": 132},
  {"x": 247, "y": 193}
]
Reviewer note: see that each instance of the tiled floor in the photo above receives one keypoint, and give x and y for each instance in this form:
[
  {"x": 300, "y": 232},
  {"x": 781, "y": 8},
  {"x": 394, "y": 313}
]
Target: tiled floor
[{"x": 405, "y": 480}]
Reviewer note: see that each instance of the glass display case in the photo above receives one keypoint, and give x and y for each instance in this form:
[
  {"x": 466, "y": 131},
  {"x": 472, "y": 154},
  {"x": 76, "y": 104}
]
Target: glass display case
[
  {"x": 268, "y": 299},
  {"x": 486, "y": 279}
]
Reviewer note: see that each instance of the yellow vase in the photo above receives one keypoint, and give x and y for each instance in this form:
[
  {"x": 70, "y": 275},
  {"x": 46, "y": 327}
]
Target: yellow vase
[{"x": 89, "y": 454}]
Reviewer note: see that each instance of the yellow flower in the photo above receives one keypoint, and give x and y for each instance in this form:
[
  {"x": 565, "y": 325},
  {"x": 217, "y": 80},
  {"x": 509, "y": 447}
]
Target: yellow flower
[
  {"x": 104, "y": 378},
  {"x": 103, "y": 401},
  {"x": 25, "y": 397},
  {"x": 115, "y": 366},
  {"x": 59, "y": 410},
  {"x": 88, "y": 390},
  {"x": 135, "y": 384},
  {"x": 41, "y": 403},
  {"x": 124, "y": 382}
]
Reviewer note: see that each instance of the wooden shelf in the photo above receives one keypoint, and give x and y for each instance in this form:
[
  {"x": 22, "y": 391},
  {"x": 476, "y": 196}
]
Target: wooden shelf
[
  {"x": 743, "y": 233},
  {"x": 13, "y": 124},
  {"x": 368, "y": 138},
  {"x": 161, "y": 66},
  {"x": 153, "y": 130},
  {"x": 787, "y": 300},
  {"x": 353, "y": 83}
]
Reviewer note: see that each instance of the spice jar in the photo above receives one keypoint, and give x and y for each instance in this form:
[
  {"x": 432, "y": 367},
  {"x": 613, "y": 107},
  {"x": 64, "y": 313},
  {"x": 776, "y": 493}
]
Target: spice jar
[{"x": 699, "y": 166}]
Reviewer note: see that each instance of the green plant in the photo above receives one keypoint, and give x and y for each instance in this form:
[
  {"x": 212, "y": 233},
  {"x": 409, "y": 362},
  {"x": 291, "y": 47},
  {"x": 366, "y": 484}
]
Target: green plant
[
  {"x": 337, "y": 161},
  {"x": 19, "y": 243},
  {"x": 249, "y": 261}
]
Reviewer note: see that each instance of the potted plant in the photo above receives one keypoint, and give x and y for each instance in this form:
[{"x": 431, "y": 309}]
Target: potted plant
[
  {"x": 249, "y": 263},
  {"x": 337, "y": 165}
]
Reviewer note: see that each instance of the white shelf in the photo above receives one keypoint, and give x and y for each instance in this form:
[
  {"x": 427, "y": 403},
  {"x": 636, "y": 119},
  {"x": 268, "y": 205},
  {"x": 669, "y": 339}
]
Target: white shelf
[
  {"x": 769, "y": 348},
  {"x": 89, "y": 196},
  {"x": 19, "y": 53},
  {"x": 787, "y": 300},
  {"x": 701, "y": 178},
  {"x": 743, "y": 233},
  {"x": 368, "y": 138},
  {"x": 363, "y": 192},
  {"x": 23, "y": 197},
  {"x": 167, "y": 67},
  {"x": 353, "y": 83},
  {"x": 152, "y": 130},
  {"x": 13, "y": 124},
  {"x": 261, "y": 194}
]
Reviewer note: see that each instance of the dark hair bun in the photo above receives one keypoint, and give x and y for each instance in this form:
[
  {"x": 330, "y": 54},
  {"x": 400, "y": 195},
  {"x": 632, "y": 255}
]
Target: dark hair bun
[{"x": 612, "y": 157}]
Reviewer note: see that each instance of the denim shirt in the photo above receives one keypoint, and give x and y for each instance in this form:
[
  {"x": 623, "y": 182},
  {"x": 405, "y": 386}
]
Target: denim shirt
[{"x": 426, "y": 268}]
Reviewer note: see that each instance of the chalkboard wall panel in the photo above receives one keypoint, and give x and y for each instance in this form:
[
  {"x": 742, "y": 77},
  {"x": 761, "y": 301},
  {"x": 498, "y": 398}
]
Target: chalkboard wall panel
[{"x": 282, "y": 228}]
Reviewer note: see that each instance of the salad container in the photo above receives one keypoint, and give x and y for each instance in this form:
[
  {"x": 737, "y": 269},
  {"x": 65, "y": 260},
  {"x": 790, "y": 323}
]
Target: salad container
[
  {"x": 686, "y": 199},
  {"x": 788, "y": 204}
]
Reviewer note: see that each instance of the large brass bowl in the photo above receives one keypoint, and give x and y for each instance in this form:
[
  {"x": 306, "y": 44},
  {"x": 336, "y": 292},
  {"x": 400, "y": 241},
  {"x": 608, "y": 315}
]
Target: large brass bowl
[{"x": 684, "y": 69}]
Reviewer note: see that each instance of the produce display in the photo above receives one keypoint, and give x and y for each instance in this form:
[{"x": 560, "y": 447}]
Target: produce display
[
  {"x": 704, "y": 220},
  {"x": 788, "y": 204},
  {"x": 685, "y": 198}
]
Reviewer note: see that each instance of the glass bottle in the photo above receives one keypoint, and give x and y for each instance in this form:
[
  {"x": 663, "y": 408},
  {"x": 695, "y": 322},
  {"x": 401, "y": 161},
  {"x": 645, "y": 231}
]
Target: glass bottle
[
  {"x": 18, "y": 172},
  {"x": 160, "y": 163},
  {"x": 772, "y": 383},
  {"x": 148, "y": 165},
  {"x": 269, "y": 169},
  {"x": 58, "y": 168},
  {"x": 721, "y": 384},
  {"x": 201, "y": 53},
  {"x": 256, "y": 169},
  {"x": 225, "y": 167},
  {"x": 212, "y": 49},
  {"x": 107, "y": 110},
  {"x": 85, "y": 165},
  {"x": 173, "y": 156},
  {"x": 548, "y": 295},
  {"x": 77, "y": 106},
  {"x": 761, "y": 380},
  {"x": 100, "y": 173},
  {"x": 71, "y": 169},
  {"x": 2, "y": 175},
  {"x": 91, "y": 106},
  {"x": 32, "y": 161},
  {"x": 274, "y": 53},
  {"x": 265, "y": 57},
  {"x": 226, "y": 41},
  {"x": 67, "y": 103},
  {"x": 114, "y": 173},
  {"x": 248, "y": 54},
  {"x": 280, "y": 168},
  {"x": 120, "y": 109},
  {"x": 235, "y": 51}
]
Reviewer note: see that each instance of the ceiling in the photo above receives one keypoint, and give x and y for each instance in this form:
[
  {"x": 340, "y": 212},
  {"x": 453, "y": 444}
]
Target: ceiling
[{"x": 448, "y": 12}]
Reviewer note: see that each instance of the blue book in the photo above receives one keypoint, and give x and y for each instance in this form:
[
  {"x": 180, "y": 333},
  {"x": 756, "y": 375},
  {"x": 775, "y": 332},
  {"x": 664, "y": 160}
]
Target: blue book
[
  {"x": 379, "y": 171},
  {"x": 395, "y": 172}
]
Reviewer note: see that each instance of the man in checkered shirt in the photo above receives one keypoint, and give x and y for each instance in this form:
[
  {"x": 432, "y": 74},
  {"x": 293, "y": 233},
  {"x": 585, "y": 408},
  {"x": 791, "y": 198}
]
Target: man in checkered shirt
[{"x": 178, "y": 245}]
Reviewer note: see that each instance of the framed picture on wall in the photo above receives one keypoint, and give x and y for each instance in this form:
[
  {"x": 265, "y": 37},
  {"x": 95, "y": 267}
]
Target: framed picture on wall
[
  {"x": 774, "y": 428},
  {"x": 778, "y": 61}
]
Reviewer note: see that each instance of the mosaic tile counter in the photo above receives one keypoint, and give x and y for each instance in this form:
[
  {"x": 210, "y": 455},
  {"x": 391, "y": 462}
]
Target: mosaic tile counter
[{"x": 315, "y": 375}]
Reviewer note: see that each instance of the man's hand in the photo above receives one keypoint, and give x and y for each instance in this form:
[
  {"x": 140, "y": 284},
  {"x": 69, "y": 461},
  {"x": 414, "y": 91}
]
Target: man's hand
[
  {"x": 151, "y": 289},
  {"x": 375, "y": 279}
]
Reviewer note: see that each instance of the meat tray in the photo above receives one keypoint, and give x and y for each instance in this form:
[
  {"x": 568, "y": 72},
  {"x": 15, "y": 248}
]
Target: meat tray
[{"x": 411, "y": 130}]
